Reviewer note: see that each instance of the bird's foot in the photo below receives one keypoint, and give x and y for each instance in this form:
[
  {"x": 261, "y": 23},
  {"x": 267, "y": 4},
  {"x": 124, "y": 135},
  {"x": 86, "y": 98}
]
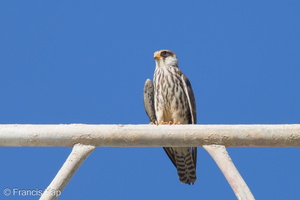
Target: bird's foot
[
  {"x": 154, "y": 123},
  {"x": 168, "y": 123}
]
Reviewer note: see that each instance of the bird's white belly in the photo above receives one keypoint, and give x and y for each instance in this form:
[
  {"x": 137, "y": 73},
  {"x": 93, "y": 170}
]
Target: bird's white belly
[{"x": 170, "y": 108}]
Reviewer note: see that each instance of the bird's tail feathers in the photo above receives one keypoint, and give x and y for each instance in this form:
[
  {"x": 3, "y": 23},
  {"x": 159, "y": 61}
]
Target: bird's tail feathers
[{"x": 185, "y": 168}]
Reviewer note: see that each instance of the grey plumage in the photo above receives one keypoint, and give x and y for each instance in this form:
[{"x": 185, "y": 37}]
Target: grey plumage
[
  {"x": 171, "y": 98},
  {"x": 149, "y": 100}
]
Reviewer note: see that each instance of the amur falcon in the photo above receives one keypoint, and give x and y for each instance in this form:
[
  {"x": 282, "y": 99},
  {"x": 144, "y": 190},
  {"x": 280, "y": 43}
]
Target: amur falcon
[{"x": 170, "y": 99}]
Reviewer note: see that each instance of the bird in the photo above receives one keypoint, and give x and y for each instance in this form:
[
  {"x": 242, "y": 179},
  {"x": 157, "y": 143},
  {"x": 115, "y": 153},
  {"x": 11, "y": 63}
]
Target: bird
[{"x": 170, "y": 99}]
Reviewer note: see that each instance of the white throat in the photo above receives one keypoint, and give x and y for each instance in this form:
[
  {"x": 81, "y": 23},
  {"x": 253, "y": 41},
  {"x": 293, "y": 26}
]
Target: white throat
[{"x": 170, "y": 61}]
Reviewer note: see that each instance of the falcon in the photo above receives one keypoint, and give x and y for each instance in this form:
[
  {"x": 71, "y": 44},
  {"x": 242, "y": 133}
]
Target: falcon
[{"x": 170, "y": 99}]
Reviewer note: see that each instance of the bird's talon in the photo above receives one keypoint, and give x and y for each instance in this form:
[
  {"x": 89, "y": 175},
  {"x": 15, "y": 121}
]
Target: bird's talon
[{"x": 154, "y": 123}]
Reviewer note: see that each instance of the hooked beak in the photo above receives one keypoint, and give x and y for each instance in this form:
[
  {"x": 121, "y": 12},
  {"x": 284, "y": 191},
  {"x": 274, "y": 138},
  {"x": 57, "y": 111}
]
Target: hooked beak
[{"x": 157, "y": 56}]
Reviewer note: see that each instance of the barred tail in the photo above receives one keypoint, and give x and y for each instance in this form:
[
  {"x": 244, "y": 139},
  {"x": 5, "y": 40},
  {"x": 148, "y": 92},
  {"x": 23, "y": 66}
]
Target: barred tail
[
  {"x": 184, "y": 159},
  {"x": 185, "y": 168}
]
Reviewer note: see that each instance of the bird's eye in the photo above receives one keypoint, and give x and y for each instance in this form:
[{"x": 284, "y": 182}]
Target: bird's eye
[{"x": 164, "y": 53}]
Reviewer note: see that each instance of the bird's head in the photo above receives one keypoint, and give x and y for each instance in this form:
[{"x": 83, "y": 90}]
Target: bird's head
[{"x": 165, "y": 58}]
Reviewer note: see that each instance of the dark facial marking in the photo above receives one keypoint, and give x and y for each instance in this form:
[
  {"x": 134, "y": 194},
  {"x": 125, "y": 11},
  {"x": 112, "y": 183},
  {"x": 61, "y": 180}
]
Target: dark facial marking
[{"x": 165, "y": 54}]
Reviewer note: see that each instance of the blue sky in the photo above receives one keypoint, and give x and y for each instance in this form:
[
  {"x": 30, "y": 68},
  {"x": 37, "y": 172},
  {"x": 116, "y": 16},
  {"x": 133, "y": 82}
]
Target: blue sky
[{"x": 86, "y": 62}]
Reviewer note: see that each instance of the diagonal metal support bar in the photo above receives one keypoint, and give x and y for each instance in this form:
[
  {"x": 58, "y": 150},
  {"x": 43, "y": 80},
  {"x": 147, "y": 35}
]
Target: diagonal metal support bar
[
  {"x": 234, "y": 178},
  {"x": 75, "y": 159}
]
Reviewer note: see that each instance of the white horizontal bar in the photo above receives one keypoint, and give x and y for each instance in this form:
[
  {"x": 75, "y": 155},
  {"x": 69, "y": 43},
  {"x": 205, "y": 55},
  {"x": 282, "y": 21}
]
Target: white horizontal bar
[{"x": 287, "y": 135}]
